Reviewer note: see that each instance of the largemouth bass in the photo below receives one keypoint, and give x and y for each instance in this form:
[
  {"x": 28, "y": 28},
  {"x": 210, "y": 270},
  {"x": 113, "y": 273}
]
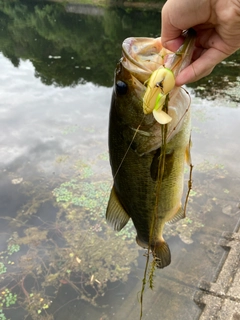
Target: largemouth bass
[{"x": 136, "y": 142}]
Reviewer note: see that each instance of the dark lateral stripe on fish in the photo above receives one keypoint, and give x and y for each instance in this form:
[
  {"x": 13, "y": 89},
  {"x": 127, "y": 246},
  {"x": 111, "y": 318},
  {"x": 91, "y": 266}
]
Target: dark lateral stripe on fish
[
  {"x": 169, "y": 158},
  {"x": 116, "y": 215}
]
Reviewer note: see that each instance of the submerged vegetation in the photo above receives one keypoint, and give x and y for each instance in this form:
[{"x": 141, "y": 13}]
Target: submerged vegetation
[
  {"x": 72, "y": 247},
  {"x": 76, "y": 248},
  {"x": 57, "y": 240}
]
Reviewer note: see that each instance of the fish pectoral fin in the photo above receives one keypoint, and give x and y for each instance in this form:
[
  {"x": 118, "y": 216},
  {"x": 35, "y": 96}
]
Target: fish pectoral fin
[
  {"x": 178, "y": 216},
  {"x": 188, "y": 153},
  {"x": 162, "y": 254},
  {"x": 115, "y": 214}
]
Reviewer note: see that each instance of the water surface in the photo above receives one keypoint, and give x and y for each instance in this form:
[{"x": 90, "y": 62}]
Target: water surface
[{"x": 58, "y": 258}]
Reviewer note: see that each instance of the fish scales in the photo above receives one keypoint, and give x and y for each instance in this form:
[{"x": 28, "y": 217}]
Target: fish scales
[{"x": 135, "y": 147}]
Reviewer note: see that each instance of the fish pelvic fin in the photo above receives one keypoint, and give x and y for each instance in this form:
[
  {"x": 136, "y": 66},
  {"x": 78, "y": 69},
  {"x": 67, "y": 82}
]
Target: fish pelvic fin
[
  {"x": 178, "y": 216},
  {"x": 161, "y": 254},
  {"x": 115, "y": 214}
]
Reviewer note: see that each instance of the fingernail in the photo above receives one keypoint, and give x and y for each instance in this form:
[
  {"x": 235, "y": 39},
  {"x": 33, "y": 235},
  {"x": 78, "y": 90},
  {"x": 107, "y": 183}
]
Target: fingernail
[{"x": 173, "y": 44}]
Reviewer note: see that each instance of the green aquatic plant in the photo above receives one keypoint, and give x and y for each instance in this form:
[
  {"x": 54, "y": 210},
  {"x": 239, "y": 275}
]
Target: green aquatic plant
[
  {"x": 2, "y": 315},
  {"x": 3, "y": 268},
  {"x": 88, "y": 256},
  {"x": 62, "y": 194},
  {"x": 128, "y": 232},
  {"x": 104, "y": 156},
  {"x": 7, "y": 299},
  {"x": 150, "y": 266},
  {"x": 92, "y": 197},
  {"x": 218, "y": 169},
  {"x": 13, "y": 248},
  {"x": 192, "y": 193}
]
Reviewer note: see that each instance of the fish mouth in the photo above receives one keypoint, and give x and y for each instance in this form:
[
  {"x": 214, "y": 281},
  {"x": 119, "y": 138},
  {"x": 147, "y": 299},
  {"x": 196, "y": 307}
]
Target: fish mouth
[{"x": 142, "y": 56}]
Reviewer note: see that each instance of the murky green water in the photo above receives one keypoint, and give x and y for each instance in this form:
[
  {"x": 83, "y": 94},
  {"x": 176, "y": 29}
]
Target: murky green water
[{"x": 58, "y": 257}]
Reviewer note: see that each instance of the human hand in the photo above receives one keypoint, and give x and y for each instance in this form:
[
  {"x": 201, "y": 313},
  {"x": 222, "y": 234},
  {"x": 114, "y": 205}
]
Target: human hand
[{"x": 217, "y": 24}]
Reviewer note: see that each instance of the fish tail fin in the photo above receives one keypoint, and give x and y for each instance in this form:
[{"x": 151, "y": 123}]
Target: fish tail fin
[{"x": 161, "y": 254}]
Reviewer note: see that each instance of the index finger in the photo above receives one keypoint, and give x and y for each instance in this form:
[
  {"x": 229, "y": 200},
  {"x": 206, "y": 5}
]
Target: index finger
[
  {"x": 178, "y": 16},
  {"x": 170, "y": 35}
]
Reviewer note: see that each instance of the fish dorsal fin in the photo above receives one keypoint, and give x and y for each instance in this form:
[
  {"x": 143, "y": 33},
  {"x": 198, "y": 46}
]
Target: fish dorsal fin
[
  {"x": 188, "y": 153},
  {"x": 115, "y": 214},
  {"x": 178, "y": 216}
]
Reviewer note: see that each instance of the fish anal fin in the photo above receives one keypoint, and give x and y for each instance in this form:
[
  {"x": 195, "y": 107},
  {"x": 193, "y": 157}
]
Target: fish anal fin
[
  {"x": 178, "y": 216},
  {"x": 115, "y": 214},
  {"x": 161, "y": 254}
]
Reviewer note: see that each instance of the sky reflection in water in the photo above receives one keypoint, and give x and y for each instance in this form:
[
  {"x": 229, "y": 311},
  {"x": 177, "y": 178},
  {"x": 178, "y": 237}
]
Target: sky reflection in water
[
  {"x": 34, "y": 116},
  {"x": 51, "y": 135}
]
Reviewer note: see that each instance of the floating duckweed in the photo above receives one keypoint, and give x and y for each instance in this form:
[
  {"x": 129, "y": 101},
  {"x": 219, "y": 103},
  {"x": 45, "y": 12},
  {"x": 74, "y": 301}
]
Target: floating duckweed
[
  {"x": 84, "y": 169},
  {"x": 7, "y": 299},
  {"x": 226, "y": 191},
  {"x": 3, "y": 269},
  {"x": 187, "y": 220},
  {"x": 128, "y": 232},
  {"x": 192, "y": 193},
  {"x": 13, "y": 248},
  {"x": 104, "y": 156},
  {"x": 91, "y": 196},
  {"x": 62, "y": 194},
  {"x": 207, "y": 166},
  {"x": 86, "y": 172}
]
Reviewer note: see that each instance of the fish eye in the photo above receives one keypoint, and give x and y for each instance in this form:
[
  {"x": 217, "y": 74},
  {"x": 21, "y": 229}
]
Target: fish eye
[{"x": 121, "y": 87}]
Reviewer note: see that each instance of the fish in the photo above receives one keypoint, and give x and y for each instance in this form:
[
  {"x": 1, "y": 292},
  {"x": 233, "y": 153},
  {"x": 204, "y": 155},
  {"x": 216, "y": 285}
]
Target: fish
[{"x": 136, "y": 142}]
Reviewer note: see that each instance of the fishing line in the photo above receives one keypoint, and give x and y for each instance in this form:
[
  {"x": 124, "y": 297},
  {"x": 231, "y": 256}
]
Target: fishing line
[{"x": 128, "y": 147}]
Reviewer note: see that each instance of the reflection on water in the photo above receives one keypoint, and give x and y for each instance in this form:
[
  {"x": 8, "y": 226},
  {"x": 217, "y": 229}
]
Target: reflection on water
[
  {"x": 58, "y": 257},
  {"x": 66, "y": 48}
]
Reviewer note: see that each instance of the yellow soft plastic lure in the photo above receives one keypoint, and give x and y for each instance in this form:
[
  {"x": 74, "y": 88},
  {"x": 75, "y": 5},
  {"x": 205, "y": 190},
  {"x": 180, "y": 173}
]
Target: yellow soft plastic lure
[{"x": 160, "y": 83}]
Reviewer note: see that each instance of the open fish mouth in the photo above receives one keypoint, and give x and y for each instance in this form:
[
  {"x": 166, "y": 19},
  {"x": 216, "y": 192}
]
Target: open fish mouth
[
  {"x": 142, "y": 56},
  {"x": 153, "y": 68}
]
